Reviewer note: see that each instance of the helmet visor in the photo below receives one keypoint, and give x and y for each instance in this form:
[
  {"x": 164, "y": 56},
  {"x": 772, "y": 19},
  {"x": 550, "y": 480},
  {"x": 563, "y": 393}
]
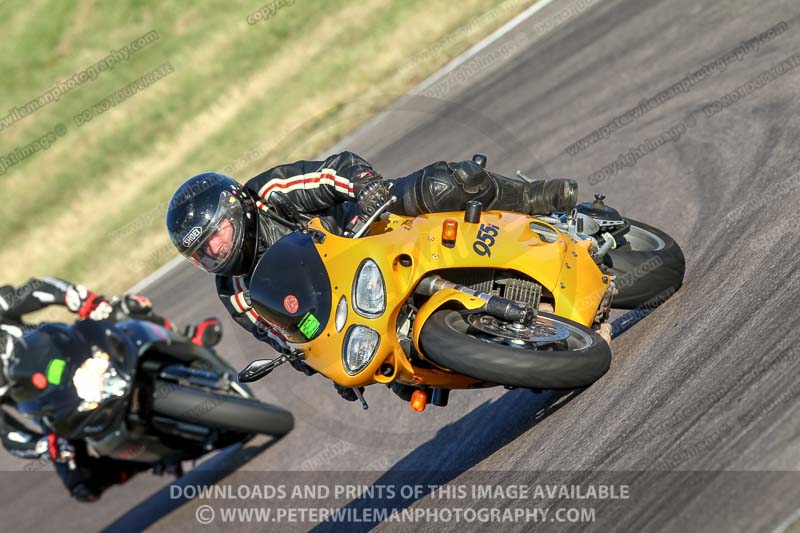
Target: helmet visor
[{"x": 216, "y": 246}]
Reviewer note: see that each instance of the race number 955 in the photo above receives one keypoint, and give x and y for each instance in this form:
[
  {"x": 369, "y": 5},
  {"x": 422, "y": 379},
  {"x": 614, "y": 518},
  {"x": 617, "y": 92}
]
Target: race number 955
[{"x": 485, "y": 239}]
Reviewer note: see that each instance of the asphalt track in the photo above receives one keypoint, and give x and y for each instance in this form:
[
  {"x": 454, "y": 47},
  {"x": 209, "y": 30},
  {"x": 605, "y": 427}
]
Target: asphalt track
[{"x": 699, "y": 412}]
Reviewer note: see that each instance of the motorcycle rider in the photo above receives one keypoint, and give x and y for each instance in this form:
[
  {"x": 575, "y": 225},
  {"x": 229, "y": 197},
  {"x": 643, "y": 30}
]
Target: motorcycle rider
[
  {"x": 85, "y": 476},
  {"x": 223, "y": 227}
]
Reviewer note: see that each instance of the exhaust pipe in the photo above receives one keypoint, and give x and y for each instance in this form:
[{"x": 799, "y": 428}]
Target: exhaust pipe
[{"x": 496, "y": 306}]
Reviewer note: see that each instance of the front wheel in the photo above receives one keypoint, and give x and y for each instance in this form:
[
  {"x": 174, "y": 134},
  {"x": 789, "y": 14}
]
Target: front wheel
[
  {"x": 552, "y": 353},
  {"x": 222, "y": 411},
  {"x": 648, "y": 265}
]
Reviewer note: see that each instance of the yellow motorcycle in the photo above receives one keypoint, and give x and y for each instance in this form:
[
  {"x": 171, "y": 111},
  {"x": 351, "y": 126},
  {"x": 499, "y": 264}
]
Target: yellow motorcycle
[{"x": 457, "y": 300}]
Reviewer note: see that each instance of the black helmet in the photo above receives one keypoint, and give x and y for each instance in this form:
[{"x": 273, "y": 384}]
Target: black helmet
[{"x": 213, "y": 222}]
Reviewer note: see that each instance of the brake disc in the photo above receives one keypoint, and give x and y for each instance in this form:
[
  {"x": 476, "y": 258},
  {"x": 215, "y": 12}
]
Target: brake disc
[{"x": 541, "y": 330}]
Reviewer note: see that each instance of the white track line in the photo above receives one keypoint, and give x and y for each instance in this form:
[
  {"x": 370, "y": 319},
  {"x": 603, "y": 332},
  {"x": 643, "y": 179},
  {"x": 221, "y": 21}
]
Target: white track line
[
  {"x": 448, "y": 68},
  {"x": 476, "y": 48},
  {"x": 784, "y": 526},
  {"x": 433, "y": 78},
  {"x": 157, "y": 275}
]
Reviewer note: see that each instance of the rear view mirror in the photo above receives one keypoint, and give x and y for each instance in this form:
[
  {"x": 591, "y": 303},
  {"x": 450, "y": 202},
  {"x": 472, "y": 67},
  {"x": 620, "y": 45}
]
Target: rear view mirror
[{"x": 257, "y": 370}]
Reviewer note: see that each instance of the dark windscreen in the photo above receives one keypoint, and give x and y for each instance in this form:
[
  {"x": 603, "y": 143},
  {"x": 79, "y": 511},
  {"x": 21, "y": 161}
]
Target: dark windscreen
[
  {"x": 45, "y": 361},
  {"x": 290, "y": 288}
]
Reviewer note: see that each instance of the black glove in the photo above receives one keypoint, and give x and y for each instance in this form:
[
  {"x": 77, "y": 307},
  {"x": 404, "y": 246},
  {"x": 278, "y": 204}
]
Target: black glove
[
  {"x": 372, "y": 194},
  {"x": 131, "y": 306},
  {"x": 347, "y": 393},
  {"x": 137, "y": 304}
]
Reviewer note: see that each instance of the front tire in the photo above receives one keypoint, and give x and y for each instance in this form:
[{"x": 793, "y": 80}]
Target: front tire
[
  {"x": 649, "y": 267},
  {"x": 451, "y": 341},
  {"x": 222, "y": 411}
]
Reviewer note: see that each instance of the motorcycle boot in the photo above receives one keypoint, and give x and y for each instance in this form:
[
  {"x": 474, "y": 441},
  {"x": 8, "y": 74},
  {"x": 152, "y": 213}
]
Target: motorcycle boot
[
  {"x": 207, "y": 333},
  {"x": 441, "y": 187},
  {"x": 539, "y": 197}
]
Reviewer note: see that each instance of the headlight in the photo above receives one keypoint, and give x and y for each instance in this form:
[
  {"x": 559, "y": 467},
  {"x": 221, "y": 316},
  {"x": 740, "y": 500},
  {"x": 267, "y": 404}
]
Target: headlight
[
  {"x": 97, "y": 380},
  {"x": 369, "y": 292},
  {"x": 360, "y": 346}
]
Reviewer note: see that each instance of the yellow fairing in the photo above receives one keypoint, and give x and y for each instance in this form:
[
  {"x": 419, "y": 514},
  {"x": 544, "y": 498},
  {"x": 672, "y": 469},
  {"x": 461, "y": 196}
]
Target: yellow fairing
[{"x": 563, "y": 267}]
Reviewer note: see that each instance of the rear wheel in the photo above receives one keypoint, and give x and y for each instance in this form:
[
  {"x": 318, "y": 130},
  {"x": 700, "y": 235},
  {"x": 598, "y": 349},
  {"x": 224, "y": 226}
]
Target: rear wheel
[
  {"x": 222, "y": 411},
  {"x": 552, "y": 353},
  {"x": 648, "y": 265}
]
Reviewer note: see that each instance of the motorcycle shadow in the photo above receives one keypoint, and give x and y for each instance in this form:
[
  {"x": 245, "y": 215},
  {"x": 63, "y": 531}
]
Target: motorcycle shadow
[
  {"x": 458, "y": 447},
  {"x": 161, "y": 503},
  {"x": 463, "y": 444}
]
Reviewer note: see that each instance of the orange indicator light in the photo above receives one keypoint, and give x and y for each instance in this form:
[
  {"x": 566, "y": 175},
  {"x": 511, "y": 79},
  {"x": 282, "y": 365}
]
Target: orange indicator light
[
  {"x": 419, "y": 399},
  {"x": 449, "y": 232}
]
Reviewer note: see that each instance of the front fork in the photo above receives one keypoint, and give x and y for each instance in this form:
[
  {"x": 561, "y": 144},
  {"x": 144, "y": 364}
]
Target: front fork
[{"x": 604, "y": 309}]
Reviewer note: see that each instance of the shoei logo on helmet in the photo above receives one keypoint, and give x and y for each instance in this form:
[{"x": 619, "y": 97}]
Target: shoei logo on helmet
[{"x": 192, "y": 236}]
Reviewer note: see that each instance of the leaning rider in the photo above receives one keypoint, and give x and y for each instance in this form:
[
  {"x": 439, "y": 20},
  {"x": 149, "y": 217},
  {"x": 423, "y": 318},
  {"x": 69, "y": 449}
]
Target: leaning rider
[
  {"x": 224, "y": 227},
  {"x": 84, "y": 475}
]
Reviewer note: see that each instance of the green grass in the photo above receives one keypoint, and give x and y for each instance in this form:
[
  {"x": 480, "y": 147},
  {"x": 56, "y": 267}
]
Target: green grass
[{"x": 288, "y": 87}]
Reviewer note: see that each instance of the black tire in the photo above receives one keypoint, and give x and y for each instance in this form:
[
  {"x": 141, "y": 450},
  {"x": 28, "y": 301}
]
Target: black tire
[
  {"x": 648, "y": 270},
  {"x": 445, "y": 340},
  {"x": 222, "y": 411}
]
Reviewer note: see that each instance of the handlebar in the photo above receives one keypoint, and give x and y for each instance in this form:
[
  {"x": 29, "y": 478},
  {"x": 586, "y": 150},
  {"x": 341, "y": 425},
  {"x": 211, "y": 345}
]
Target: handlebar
[{"x": 378, "y": 212}]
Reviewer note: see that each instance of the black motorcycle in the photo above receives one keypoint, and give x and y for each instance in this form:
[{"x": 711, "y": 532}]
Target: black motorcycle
[{"x": 136, "y": 391}]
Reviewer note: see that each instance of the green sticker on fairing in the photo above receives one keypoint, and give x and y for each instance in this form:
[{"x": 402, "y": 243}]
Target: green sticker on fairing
[
  {"x": 55, "y": 369},
  {"x": 309, "y": 325}
]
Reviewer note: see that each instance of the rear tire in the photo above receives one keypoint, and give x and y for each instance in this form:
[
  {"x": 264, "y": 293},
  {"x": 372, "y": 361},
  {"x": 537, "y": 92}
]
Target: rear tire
[
  {"x": 649, "y": 267},
  {"x": 221, "y": 411},
  {"x": 448, "y": 340}
]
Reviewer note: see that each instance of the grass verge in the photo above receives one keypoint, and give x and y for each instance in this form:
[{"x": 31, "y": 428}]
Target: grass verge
[{"x": 86, "y": 202}]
